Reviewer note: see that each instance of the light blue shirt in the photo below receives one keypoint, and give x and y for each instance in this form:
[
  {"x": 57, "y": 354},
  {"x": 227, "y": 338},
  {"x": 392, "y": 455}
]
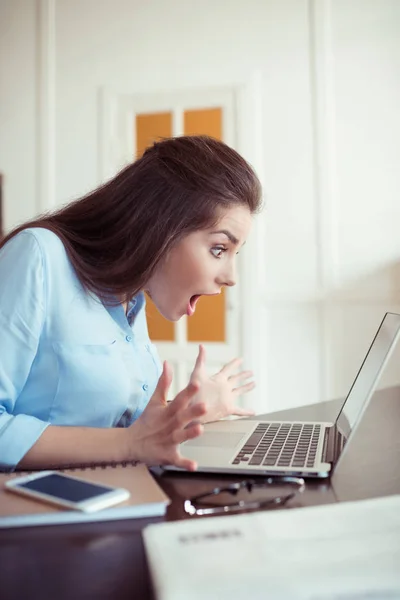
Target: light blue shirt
[{"x": 65, "y": 357}]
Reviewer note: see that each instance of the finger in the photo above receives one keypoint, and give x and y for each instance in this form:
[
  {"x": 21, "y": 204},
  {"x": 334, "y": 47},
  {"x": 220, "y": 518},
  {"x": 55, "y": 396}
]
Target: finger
[
  {"x": 195, "y": 410},
  {"x": 243, "y": 389},
  {"x": 163, "y": 384},
  {"x": 179, "y": 461},
  {"x": 192, "y": 414},
  {"x": 243, "y": 412},
  {"x": 186, "y": 463},
  {"x": 189, "y": 433},
  {"x": 230, "y": 367},
  {"x": 182, "y": 399},
  {"x": 202, "y": 353},
  {"x": 200, "y": 362},
  {"x": 242, "y": 375},
  {"x": 168, "y": 376}
]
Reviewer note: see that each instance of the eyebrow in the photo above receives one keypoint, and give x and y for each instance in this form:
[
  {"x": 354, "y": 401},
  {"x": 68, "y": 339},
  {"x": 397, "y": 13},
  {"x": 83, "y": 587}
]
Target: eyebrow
[{"x": 229, "y": 235}]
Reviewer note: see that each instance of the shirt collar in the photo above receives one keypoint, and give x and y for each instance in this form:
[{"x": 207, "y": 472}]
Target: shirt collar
[{"x": 134, "y": 306}]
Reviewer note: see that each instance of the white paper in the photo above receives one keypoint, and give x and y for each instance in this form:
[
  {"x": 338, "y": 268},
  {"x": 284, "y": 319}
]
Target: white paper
[{"x": 346, "y": 551}]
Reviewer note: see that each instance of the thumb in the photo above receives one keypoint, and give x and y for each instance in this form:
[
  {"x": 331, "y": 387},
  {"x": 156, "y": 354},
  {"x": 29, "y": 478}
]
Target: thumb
[
  {"x": 164, "y": 383},
  {"x": 200, "y": 363}
]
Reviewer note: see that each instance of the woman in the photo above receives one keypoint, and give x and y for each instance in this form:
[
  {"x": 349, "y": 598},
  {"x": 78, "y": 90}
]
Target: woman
[{"x": 78, "y": 374}]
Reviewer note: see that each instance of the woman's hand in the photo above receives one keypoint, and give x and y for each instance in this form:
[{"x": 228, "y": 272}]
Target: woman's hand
[
  {"x": 219, "y": 392},
  {"x": 155, "y": 436}
]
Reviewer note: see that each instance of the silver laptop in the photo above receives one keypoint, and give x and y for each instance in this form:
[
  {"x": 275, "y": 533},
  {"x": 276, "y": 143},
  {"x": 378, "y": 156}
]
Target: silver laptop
[{"x": 306, "y": 449}]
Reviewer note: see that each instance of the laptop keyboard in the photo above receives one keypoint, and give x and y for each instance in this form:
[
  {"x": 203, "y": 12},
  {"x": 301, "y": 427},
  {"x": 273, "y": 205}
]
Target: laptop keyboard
[{"x": 281, "y": 445}]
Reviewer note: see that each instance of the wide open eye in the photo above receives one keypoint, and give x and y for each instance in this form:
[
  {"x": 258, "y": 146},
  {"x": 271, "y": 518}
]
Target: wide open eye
[{"x": 218, "y": 251}]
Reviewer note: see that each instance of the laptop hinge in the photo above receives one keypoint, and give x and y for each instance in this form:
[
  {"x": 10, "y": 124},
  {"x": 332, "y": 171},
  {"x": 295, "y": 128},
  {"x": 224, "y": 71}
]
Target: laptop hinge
[
  {"x": 328, "y": 452},
  {"x": 333, "y": 444}
]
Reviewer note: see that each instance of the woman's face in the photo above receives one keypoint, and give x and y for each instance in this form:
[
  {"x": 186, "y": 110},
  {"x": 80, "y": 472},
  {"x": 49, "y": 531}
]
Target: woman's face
[{"x": 200, "y": 265}]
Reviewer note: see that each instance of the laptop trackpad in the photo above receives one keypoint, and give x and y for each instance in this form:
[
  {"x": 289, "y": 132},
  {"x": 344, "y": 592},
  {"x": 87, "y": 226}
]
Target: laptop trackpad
[{"x": 218, "y": 439}]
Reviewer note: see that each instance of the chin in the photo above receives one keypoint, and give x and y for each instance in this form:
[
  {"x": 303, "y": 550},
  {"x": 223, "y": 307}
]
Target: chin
[
  {"x": 175, "y": 317},
  {"x": 171, "y": 313},
  {"x": 170, "y": 316}
]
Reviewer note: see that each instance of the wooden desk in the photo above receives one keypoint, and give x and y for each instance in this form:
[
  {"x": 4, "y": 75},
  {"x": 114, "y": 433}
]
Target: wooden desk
[{"x": 106, "y": 560}]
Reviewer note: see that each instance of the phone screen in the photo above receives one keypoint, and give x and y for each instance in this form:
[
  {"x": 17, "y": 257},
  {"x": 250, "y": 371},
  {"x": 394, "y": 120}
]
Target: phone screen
[{"x": 65, "y": 488}]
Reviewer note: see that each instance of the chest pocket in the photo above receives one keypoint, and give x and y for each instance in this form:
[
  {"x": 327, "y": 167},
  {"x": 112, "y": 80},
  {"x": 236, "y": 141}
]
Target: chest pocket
[{"x": 93, "y": 385}]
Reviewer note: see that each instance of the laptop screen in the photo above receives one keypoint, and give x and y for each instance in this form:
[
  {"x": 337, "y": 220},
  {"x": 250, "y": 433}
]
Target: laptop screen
[{"x": 368, "y": 375}]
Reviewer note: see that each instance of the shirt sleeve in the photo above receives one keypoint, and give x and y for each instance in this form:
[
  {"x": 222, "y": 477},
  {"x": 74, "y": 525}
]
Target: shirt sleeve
[{"x": 22, "y": 310}]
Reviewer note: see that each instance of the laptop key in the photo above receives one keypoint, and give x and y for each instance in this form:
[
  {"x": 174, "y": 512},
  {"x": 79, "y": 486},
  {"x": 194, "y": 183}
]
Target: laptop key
[
  {"x": 254, "y": 440},
  {"x": 256, "y": 460},
  {"x": 270, "y": 462}
]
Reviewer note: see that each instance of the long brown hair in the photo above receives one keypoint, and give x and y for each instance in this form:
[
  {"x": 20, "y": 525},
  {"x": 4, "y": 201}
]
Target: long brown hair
[{"x": 116, "y": 235}]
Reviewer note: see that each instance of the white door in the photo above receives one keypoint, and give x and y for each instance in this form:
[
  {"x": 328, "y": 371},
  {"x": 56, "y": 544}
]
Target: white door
[{"x": 130, "y": 124}]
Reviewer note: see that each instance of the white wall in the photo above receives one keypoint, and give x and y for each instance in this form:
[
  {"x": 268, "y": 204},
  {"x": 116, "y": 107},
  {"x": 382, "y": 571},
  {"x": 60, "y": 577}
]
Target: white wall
[
  {"x": 331, "y": 129},
  {"x": 18, "y": 109}
]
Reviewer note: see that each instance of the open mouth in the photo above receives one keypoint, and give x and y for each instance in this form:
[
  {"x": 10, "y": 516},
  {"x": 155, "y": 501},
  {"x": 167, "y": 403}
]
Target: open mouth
[{"x": 191, "y": 307}]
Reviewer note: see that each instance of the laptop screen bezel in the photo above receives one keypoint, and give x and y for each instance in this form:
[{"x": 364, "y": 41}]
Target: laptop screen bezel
[{"x": 337, "y": 429}]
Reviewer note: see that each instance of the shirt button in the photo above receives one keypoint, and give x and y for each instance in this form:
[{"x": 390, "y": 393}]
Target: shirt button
[
  {"x": 145, "y": 387},
  {"x": 128, "y": 338}
]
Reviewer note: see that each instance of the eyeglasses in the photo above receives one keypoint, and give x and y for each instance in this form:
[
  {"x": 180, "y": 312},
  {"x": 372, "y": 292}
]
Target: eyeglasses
[{"x": 206, "y": 504}]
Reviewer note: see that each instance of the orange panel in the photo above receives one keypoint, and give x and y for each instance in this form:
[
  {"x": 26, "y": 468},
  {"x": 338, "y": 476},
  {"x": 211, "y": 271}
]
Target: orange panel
[
  {"x": 206, "y": 121},
  {"x": 149, "y": 128},
  {"x": 160, "y": 329},
  {"x": 208, "y": 322}
]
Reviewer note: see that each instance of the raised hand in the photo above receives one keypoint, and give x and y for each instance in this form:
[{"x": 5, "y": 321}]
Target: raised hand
[
  {"x": 157, "y": 433},
  {"x": 220, "y": 392}
]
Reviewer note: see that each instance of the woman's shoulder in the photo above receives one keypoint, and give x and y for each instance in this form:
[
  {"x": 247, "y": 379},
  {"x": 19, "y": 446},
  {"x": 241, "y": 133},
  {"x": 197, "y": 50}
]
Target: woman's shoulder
[
  {"x": 36, "y": 246},
  {"x": 35, "y": 237},
  {"x": 46, "y": 238},
  {"x": 48, "y": 243}
]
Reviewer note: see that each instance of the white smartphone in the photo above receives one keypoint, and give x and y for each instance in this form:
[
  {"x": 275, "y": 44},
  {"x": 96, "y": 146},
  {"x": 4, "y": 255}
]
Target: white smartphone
[{"x": 69, "y": 492}]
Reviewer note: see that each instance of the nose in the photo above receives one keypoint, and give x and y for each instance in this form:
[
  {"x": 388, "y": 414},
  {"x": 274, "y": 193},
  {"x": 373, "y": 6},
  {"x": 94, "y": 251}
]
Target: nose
[{"x": 228, "y": 277}]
